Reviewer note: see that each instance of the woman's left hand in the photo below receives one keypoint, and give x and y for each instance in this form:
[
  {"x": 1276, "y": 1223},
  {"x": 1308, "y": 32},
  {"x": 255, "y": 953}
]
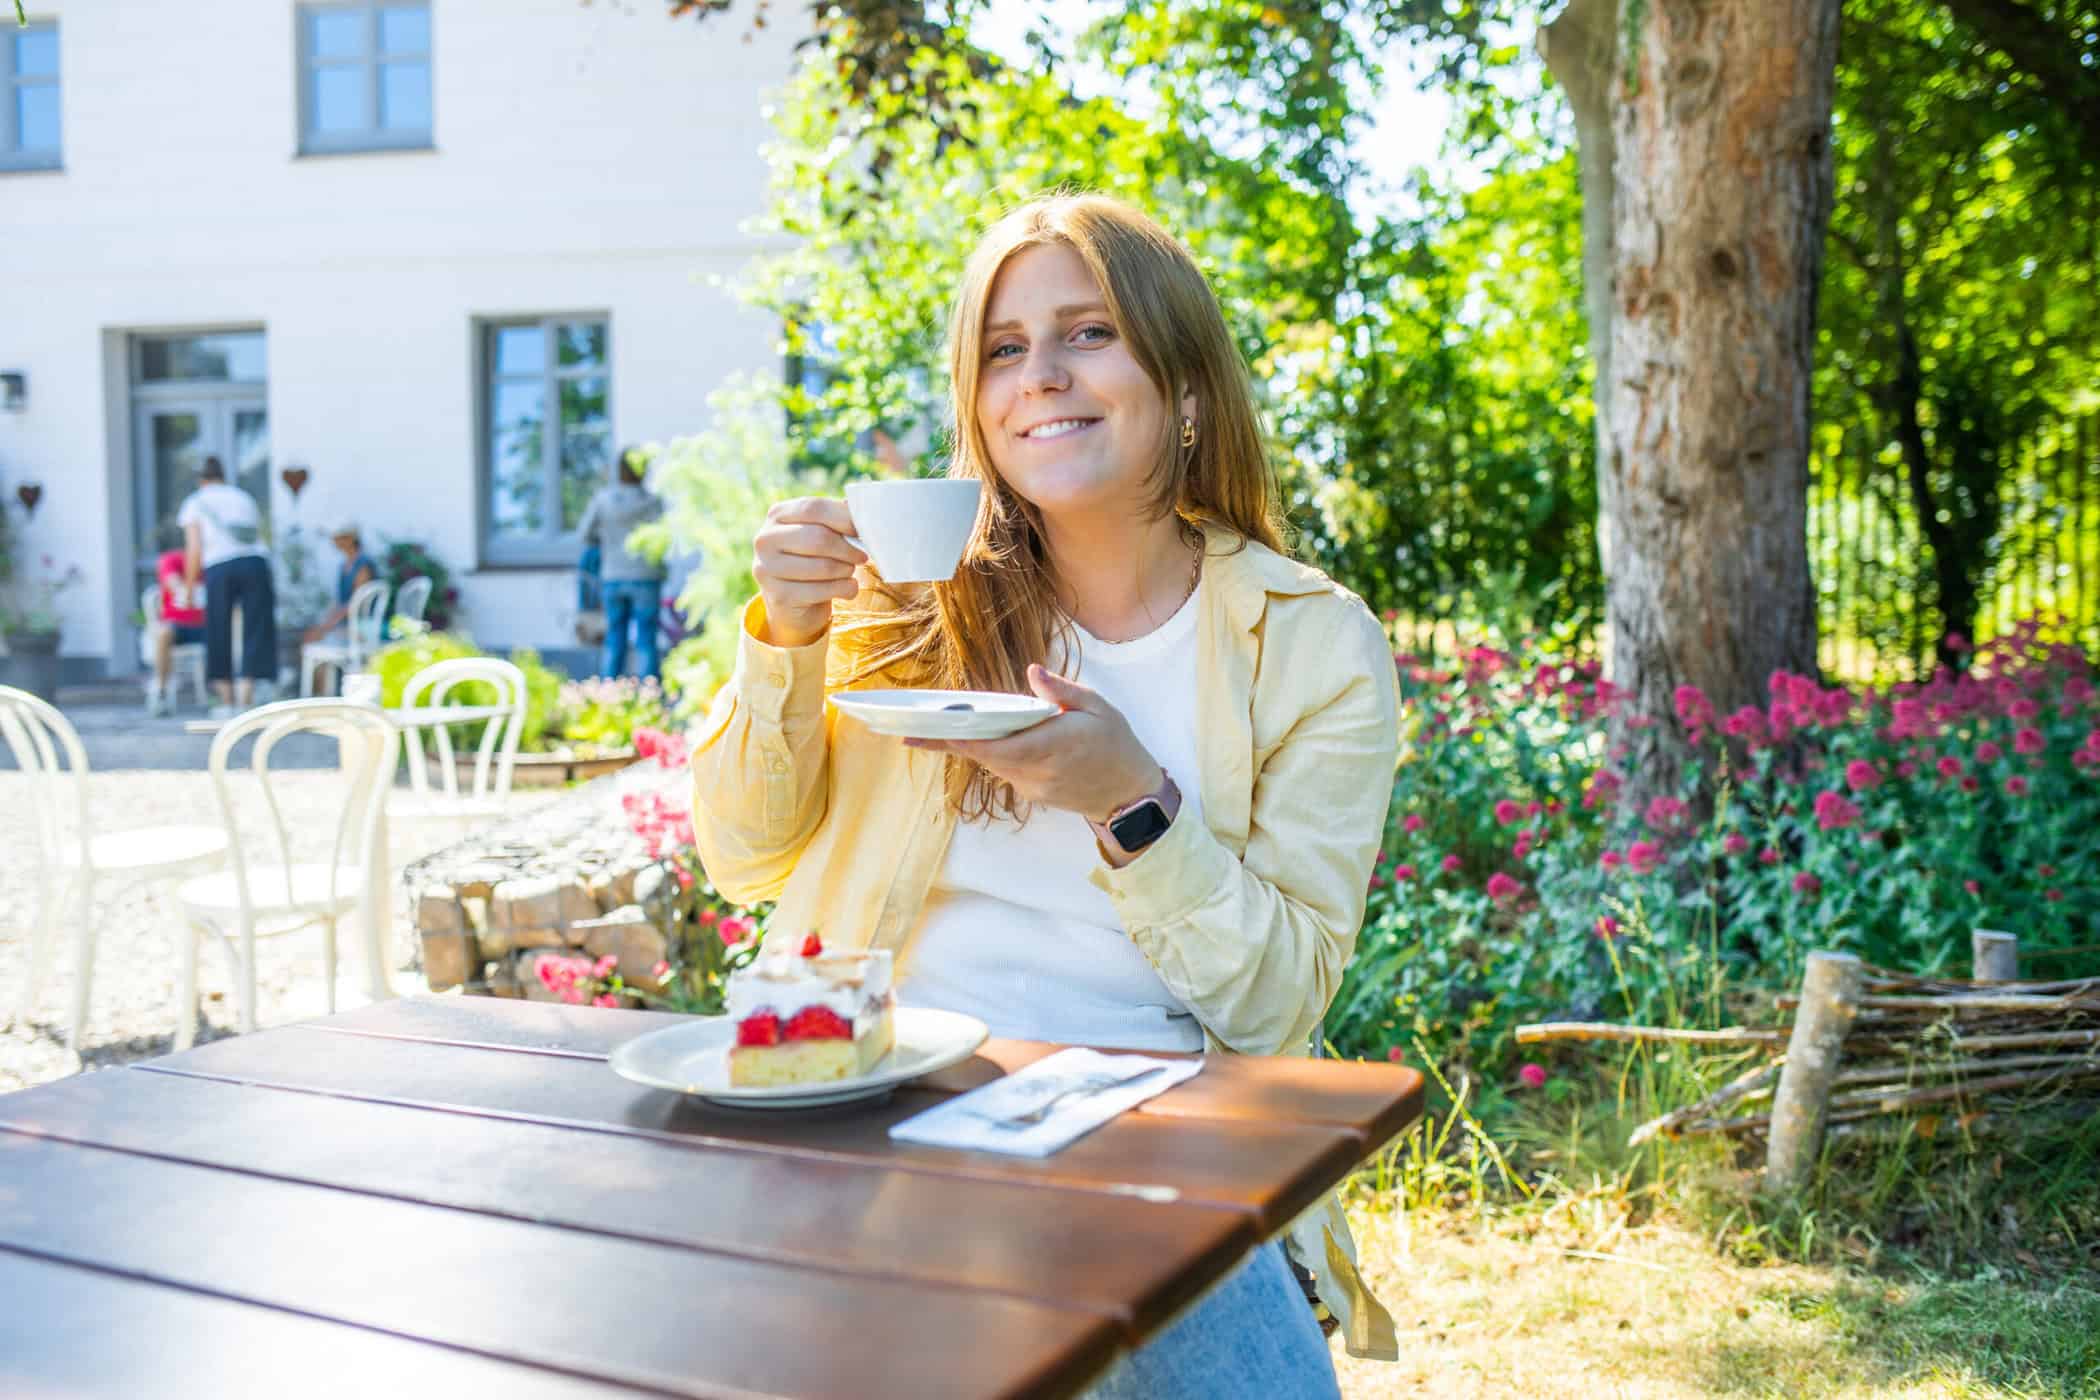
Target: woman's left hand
[{"x": 1085, "y": 760}]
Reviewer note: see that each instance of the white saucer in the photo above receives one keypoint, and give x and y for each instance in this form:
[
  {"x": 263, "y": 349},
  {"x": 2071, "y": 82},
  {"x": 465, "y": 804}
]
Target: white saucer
[
  {"x": 694, "y": 1059},
  {"x": 925, "y": 714}
]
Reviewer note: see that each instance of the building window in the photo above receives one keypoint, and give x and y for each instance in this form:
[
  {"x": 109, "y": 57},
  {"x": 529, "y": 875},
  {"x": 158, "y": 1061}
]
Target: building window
[
  {"x": 364, "y": 72},
  {"x": 547, "y": 415},
  {"x": 29, "y": 97}
]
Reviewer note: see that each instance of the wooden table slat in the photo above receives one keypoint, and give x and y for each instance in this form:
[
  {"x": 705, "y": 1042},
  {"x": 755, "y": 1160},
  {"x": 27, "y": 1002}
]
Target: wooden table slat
[
  {"x": 1113, "y": 1256},
  {"x": 1273, "y": 1170},
  {"x": 1375, "y": 1100},
  {"x": 88, "y": 1335},
  {"x": 637, "y": 1313}
]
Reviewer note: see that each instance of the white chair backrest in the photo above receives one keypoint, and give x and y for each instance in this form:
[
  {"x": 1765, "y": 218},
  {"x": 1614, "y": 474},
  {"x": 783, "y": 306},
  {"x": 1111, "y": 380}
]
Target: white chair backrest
[
  {"x": 367, "y": 617},
  {"x": 355, "y": 817},
  {"x": 57, "y": 800},
  {"x": 496, "y": 756},
  {"x": 149, "y": 608},
  {"x": 413, "y": 598}
]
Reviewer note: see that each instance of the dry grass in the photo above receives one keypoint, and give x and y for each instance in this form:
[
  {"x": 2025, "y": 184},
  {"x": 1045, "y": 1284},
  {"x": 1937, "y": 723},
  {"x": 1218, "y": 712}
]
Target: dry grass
[{"x": 1510, "y": 1309}]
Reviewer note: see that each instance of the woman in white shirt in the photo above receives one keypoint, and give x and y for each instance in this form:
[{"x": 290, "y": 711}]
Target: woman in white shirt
[{"x": 222, "y": 547}]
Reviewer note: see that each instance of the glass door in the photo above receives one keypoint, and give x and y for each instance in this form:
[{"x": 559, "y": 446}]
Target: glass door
[{"x": 174, "y": 438}]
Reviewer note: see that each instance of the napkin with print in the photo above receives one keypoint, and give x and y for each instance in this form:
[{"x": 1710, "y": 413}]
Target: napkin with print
[{"x": 1047, "y": 1106}]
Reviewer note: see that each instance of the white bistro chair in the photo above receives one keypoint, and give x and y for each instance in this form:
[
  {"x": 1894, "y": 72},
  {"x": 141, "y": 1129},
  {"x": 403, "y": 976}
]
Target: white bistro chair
[
  {"x": 413, "y": 598},
  {"x": 361, "y": 637},
  {"x": 73, "y": 854},
  {"x": 498, "y": 684},
  {"x": 188, "y": 657},
  {"x": 271, "y": 892}
]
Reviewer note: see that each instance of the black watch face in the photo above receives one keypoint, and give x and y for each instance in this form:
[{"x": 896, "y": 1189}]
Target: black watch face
[{"x": 1140, "y": 826}]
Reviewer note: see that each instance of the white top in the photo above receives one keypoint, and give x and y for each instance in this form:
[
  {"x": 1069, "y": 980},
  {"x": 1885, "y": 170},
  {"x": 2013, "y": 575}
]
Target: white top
[
  {"x": 1015, "y": 934},
  {"x": 231, "y": 523}
]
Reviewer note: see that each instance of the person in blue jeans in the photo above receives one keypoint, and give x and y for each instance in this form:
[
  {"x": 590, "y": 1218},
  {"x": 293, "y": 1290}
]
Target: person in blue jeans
[{"x": 632, "y": 586}]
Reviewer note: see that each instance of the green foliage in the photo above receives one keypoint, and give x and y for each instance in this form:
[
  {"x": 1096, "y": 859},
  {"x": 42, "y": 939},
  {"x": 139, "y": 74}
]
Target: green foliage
[
  {"x": 601, "y": 715},
  {"x": 416, "y": 646},
  {"x": 717, "y": 486}
]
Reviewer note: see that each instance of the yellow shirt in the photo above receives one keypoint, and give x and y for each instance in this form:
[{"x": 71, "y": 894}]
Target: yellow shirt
[{"x": 1249, "y": 915}]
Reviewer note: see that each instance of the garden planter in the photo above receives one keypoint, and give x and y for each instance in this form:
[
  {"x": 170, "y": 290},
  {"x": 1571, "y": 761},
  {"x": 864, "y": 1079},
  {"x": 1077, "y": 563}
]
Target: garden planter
[
  {"x": 32, "y": 663},
  {"x": 539, "y": 770}
]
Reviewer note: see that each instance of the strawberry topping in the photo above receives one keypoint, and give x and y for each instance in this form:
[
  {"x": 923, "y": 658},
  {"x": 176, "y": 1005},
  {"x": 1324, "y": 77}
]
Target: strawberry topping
[
  {"x": 759, "y": 1028},
  {"x": 811, "y": 946},
  {"x": 818, "y": 1023}
]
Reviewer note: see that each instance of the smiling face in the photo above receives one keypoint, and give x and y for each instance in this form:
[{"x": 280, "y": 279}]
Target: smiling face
[{"x": 1068, "y": 416}]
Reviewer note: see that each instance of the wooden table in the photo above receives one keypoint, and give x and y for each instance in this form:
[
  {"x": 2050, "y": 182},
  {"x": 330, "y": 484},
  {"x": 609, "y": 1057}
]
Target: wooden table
[{"x": 457, "y": 1196}]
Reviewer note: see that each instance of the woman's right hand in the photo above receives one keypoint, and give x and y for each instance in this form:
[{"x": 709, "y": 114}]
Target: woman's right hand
[{"x": 804, "y": 563}]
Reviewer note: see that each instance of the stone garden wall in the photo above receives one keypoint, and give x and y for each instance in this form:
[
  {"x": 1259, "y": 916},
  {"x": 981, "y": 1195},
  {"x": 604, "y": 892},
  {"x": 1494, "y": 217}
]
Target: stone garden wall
[{"x": 564, "y": 878}]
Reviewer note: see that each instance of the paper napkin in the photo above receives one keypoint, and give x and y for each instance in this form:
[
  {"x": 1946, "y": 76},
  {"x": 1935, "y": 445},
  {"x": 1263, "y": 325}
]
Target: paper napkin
[{"x": 1082, "y": 1088}]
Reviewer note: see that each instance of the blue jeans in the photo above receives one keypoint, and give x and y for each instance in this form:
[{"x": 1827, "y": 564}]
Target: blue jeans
[
  {"x": 631, "y": 602},
  {"x": 1252, "y": 1337}
]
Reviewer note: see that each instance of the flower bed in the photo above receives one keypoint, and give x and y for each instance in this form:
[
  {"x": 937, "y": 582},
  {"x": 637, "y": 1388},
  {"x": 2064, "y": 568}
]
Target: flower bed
[{"x": 1516, "y": 884}]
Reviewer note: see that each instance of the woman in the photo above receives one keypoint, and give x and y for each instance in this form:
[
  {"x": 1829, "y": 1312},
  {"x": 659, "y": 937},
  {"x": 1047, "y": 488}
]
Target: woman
[
  {"x": 222, "y": 548},
  {"x": 1240, "y": 705},
  {"x": 354, "y": 571}
]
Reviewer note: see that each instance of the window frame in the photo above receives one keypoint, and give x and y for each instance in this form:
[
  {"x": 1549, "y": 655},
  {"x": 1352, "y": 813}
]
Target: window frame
[
  {"x": 555, "y": 547},
  {"x": 12, "y": 154},
  {"x": 373, "y": 61}
]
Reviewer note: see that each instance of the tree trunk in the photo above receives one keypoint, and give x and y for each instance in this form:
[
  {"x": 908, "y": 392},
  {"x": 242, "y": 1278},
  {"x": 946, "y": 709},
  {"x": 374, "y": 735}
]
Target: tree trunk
[{"x": 1721, "y": 200}]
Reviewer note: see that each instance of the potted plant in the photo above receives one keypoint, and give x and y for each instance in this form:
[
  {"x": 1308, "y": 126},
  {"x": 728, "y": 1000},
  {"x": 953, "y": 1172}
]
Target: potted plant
[
  {"x": 29, "y": 631},
  {"x": 303, "y": 566}
]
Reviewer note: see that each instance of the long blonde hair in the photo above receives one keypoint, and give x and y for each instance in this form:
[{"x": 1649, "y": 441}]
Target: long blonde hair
[{"x": 981, "y": 629}]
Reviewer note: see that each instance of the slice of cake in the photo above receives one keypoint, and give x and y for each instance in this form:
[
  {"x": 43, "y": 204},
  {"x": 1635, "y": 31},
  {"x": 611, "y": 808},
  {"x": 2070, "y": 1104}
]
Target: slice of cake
[{"x": 805, "y": 1016}]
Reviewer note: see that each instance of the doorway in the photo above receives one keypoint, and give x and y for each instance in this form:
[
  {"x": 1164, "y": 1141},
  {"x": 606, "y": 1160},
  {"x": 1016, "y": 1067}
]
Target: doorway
[{"x": 193, "y": 397}]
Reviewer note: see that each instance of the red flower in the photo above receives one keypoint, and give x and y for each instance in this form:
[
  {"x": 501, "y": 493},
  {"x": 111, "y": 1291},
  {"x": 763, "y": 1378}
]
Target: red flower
[
  {"x": 2016, "y": 786},
  {"x": 2029, "y": 740},
  {"x": 1610, "y": 860},
  {"x": 1949, "y": 766},
  {"x": 1768, "y": 856},
  {"x": 1508, "y": 813},
  {"x": 1411, "y": 822},
  {"x": 1833, "y": 812},
  {"x": 1451, "y": 864},
  {"x": 1643, "y": 856},
  {"x": 1735, "y": 843},
  {"x": 1972, "y": 887},
  {"x": 1664, "y": 813},
  {"x": 1607, "y": 926},
  {"x": 1805, "y": 883},
  {"x": 2054, "y": 896},
  {"x": 1396, "y": 1055},
  {"x": 1862, "y": 776},
  {"x": 1988, "y": 752},
  {"x": 1501, "y": 887},
  {"x": 1970, "y": 784},
  {"x": 1403, "y": 872},
  {"x": 1532, "y": 1076}
]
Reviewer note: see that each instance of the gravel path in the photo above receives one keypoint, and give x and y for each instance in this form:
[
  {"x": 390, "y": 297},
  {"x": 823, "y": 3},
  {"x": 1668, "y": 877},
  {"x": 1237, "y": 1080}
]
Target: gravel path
[{"x": 131, "y": 1013}]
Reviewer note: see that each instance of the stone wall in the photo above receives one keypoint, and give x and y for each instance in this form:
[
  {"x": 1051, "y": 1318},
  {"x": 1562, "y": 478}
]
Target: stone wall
[{"x": 568, "y": 877}]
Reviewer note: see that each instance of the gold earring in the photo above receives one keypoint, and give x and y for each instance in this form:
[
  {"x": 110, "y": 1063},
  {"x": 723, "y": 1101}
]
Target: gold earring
[{"x": 1188, "y": 432}]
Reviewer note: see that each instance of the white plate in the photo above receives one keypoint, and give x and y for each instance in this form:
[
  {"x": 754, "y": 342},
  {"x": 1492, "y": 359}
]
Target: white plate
[
  {"x": 925, "y": 714},
  {"x": 694, "y": 1059}
]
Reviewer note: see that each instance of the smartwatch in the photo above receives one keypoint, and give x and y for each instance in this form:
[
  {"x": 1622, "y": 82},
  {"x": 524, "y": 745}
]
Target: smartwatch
[{"x": 1138, "y": 824}]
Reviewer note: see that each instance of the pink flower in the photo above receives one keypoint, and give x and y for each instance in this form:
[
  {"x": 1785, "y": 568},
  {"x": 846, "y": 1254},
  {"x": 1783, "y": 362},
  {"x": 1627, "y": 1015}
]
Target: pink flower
[
  {"x": 1862, "y": 776},
  {"x": 2029, "y": 740},
  {"x": 2016, "y": 786},
  {"x": 1735, "y": 843},
  {"x": 1988, "y": 752},
  {"x": 605, "y": 999},
  {"x": 1955, "y": 641},
  {"x": 1694, "y": 711},
  {"x": 1969, "y": 784},
  {"x": 1664, "y": 812},
  {"x": 604, "y": 966},
  {"x": 1748, "y": 723},
  {"x": 1949, "y": 766},
  {"x": 2045, "y": 870},
  {"x": 1972, "y": 887},
  {"x": 1833, "y": 812},
  {"x": 1611, "y": 860},
  {"x": 1412, "y": 822},
  {"x": 1532, "y": 1076},
  {"x": 1396, "y": 1054},
  {"x": 1501, "y": 887},
  {"x": 2053, "y": 895},
  {"x": 1805, "y": 883},
  {"x": 1451, "y": 864},
  {"x": 2022, "y": 708},
  {"x": 1508, "y": 813},
  {"x": 1376, "y": 879},
  {"x": 660, "y": 971},
  {"x": 1643, "y": 856},
  {"x": 1906, "y": 768},
  {"x": 1768, "y": 856},
  {"x": 1607, "y": 926},
  {"x": 1403, "y": 872}
]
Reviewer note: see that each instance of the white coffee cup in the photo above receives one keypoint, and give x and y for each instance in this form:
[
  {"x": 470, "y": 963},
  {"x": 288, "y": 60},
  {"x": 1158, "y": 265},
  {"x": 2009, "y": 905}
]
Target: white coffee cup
[{"x": 914, "y": 531}]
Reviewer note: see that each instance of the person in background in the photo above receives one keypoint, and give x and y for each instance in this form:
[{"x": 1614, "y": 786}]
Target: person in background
[
  {"x": 181, "y": 625},
  {"x": 633, "y": 587},
  {"x": 222, "y": 546},
  {"x": 356, "y": 570}
]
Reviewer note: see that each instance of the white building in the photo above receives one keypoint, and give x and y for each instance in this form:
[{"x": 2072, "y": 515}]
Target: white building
[{"x": 444, "y": 254}]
